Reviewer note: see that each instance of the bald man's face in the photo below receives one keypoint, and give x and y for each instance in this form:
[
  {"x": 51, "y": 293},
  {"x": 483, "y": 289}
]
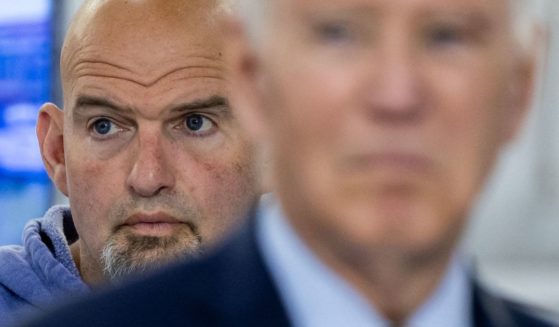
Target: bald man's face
[{"x": 155, "y": 165}]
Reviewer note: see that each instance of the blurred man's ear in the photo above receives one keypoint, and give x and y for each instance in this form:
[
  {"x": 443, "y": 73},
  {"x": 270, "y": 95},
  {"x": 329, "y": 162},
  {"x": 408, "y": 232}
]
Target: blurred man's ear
[
  {"x": 525, "y": 80},
  {"x": 50, "y": 126},
  {"x": 246, "y": 90},
  {"x": 245, "y": 76}
]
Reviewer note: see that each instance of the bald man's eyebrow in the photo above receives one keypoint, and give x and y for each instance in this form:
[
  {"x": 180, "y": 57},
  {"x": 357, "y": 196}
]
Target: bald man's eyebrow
[
  {"x": 85, "y": 101},
  {"x": 213, "y": 102}
]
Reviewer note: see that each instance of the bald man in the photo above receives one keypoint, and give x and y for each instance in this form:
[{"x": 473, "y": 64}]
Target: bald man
[{"x": 147, "y": 150}]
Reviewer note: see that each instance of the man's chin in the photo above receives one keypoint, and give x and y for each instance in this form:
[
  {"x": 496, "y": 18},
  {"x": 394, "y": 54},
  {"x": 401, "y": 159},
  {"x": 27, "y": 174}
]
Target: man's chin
[{"x": 130, "y": 253}]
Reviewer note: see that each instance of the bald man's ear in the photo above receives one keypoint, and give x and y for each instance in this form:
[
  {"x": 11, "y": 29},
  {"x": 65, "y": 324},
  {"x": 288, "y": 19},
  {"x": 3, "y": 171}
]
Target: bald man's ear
[
  {"x": 245, "y": 76},
  {"x": 50, "y": 126}
]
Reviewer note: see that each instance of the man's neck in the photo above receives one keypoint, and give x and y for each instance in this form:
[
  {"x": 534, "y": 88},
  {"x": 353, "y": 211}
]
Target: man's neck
[
  {"x": 393, "y": 283},
  {"x": 402, "y": 285},
  {"x": 90, "y": 275},
  {"x": 393, "y": 289}
]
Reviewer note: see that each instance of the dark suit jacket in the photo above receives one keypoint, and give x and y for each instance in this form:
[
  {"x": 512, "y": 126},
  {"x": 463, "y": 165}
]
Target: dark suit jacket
[{"x": 229, "y": 288}]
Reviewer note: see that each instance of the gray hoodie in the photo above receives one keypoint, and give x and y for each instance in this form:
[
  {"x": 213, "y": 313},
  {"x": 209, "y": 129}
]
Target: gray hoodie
[{"x": 41, "y": 273}]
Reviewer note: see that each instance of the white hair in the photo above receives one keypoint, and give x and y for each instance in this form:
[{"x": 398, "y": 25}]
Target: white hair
[
  {"x": 227, "y": 6},
  {"x": 525, "y": 14}
]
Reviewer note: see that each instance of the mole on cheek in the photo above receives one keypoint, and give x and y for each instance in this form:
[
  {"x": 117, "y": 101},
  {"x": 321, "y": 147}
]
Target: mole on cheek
[
  {"x": 209, "y": 167},
  {"x": 93, "y": 170}
]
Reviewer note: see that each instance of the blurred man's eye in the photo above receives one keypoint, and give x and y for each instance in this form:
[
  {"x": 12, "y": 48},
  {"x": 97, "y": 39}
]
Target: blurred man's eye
[
  {"x": 334, "y": 32},
  {"x": 445, "y": 36},
  {"x": 198, "y": 124}
]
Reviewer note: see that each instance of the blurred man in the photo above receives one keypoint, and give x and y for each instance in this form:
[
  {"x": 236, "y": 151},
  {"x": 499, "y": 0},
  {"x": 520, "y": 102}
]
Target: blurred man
[
  {"x": 147, "y": 150},
  {"x": 382, "y": 119}
]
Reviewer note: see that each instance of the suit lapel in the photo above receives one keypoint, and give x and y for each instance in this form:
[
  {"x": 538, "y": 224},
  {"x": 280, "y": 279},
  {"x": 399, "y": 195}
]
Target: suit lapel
[
  {"x": 489, "y": 310},
  {"x": 249, "y": 296}
]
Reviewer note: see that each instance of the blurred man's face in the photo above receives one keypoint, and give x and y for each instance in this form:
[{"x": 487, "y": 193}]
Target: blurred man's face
[
  {"x": 385, "y": 116},
  {"x": 155, "y": 163}
]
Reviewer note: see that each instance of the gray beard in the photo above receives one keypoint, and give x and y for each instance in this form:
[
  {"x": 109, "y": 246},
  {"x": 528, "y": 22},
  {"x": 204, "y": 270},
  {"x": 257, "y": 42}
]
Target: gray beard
[{"x": 127, "y": 254}]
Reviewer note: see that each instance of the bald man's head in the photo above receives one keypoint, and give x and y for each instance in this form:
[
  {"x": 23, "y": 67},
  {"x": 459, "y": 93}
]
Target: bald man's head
[
  {"x": 147, "y": 150},
  {"x": 142, "y": 29}
]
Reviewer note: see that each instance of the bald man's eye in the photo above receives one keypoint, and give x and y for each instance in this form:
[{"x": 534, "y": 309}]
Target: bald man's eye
[
  {"x": 104, "y": 127},
  {"x": 198, "y": 124}
]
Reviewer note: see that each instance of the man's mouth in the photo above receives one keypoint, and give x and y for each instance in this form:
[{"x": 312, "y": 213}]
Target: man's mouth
[
  {"x": 153, "y": 224},
  {"x": 398, "y": 161}
]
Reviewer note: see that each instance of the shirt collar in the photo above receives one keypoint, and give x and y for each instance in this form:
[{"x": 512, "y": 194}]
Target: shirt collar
[
  {"x": 450, "y": 304},
  {"x": 315, "y": 296}
]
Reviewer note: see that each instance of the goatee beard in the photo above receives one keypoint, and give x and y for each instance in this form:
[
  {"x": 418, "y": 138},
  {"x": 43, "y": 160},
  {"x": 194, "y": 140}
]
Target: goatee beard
[{"x": 127, "y": 254}]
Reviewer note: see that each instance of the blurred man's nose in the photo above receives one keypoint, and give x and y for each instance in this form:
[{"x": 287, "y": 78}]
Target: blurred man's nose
[
  {"x": 151, "y": 172},
  {"x": 396, "y": 90}
]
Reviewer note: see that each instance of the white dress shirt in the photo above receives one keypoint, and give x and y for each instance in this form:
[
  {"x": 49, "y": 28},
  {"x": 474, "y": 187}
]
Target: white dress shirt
[{"x": 315, "y": 296}]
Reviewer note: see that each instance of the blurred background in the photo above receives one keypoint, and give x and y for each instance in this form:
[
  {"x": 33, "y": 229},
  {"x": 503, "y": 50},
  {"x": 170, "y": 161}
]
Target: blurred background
[
  {"x": 27, "y": 40},
  {"x": 514, "y": 233}
]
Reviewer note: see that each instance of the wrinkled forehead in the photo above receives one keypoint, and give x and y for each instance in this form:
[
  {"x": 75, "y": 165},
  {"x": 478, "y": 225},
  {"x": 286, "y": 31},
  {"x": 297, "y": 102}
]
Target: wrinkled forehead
[{"x": 147, "y": 35}]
